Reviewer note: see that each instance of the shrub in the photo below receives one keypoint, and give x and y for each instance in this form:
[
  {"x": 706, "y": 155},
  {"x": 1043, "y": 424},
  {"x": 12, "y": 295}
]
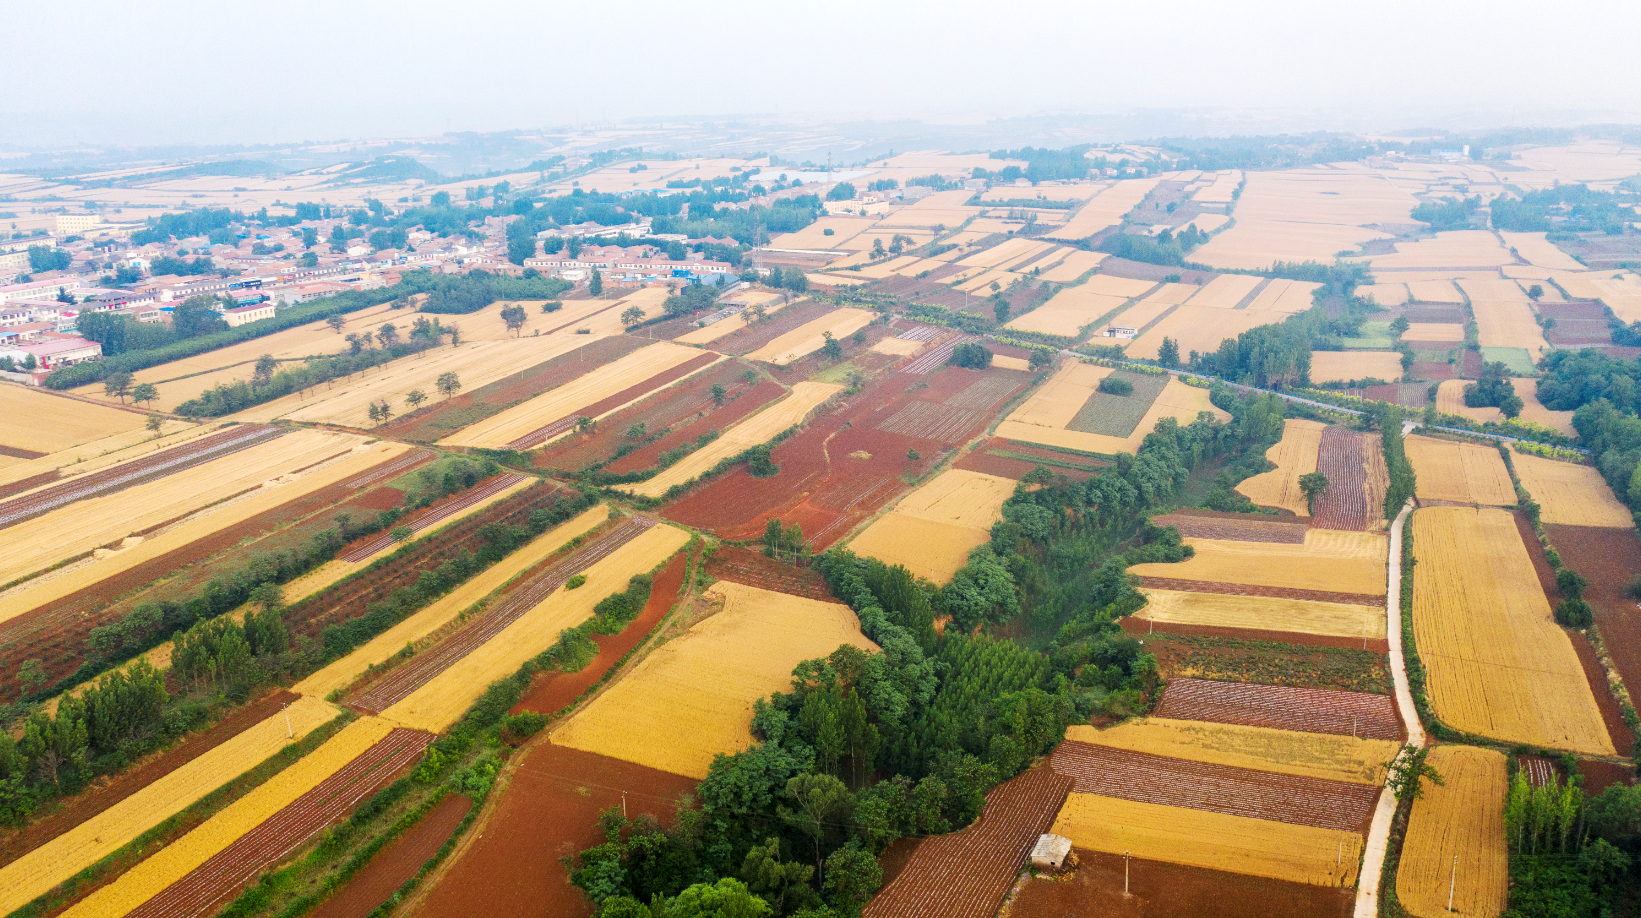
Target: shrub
[
  {"x": 1115, "y": 386},
  {"x": 575, "y": 582},
  {"x": 1574, "y": 613}
]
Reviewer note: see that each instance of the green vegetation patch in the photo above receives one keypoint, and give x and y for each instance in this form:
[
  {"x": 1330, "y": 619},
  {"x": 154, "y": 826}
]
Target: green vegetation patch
[
  {"x": 1370, "y": 336},
  {"x": 1113, "y": 415},
  {"x": 1516, "y": 358},
  {"x": 1270, "y": 663}
]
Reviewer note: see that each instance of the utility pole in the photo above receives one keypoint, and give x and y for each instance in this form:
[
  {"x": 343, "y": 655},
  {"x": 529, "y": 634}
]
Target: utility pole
[
  {"x": 286, "y": 708},
  {"x": 1452, "y": 881},
  {"x": 623, "y": 804},
  {"x": 1125, "y": 873}
]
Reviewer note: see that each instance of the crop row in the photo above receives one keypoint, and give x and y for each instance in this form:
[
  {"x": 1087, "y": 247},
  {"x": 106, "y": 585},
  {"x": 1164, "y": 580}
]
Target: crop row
[{"x": 1281, "y": 707}]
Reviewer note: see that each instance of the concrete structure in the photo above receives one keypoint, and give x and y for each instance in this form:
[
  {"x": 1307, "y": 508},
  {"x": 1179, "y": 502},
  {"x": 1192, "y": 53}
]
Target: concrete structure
[
  {"x": 240, "y": 315},
  {"x": 1050, "y": 852},
  {"x": 76, "y": 224},
  {"x": 59, "y": 352},
  {"x": 36, "y": 289}
]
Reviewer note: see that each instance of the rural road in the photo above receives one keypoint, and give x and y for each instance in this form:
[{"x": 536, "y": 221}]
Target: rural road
[{"x": 1373, "y": 857}]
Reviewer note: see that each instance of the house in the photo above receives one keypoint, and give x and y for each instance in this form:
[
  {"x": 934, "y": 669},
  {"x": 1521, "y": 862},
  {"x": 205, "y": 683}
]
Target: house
[
  {"x": 37, "y": 289},
  {"x": 240, "y": 315},
  {"x": 1120, "y": 331},
  {"x": 51, "y": 354},
  {"x": 1050, "y": 852}
]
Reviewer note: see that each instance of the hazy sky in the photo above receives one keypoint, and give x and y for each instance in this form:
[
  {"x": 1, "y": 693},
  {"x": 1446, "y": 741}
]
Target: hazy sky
[{"x": 161, "y": 72}]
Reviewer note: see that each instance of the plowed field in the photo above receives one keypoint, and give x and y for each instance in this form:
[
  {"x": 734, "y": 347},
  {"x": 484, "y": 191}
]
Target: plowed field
[
  {"x": 1464, "y": 819},
  {"x": 744, "y": 566},
  {"x": 1236, "y": 527},
  {"x": 1608, "y": 558},
  {"x": 423, "y": 520},
  {"x": 1241, "y": 589},
  {"x": 396, "y": 863},
  {"x": 1300, "y": 709},
  {"x": 1355, "y": 466},
  {"x": 1157, "y": 889}
]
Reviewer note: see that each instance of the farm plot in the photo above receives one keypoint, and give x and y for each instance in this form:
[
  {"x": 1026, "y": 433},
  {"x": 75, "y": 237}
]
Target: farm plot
[
  {"x": 760, "y": 428},
  {"x": 1197, "y": 328},
  {"x": 1074, "y": 266},
  {"x": 1386, "y": 294},
  {"x": 933, "y": 529},
  {"x": 809, "y": 337},
  {"x": 1504, "y": 315},
  {"x": 1238, "y": 527},
  {"x": 442, "y": 700},
  {"x": 396, "y": 864},
  {"x": 1434, "y": 333},
  {"x": 538, "y": 421},
  {"x": 1570, "y": 495},
  {"x": 1463, "y": 473},
  {"x": 342, "y": 673},
  {"x": 1044, "y": 417},
  {"x": 472, "y": 499},
  {"x": 1285, "y": 297},
  {"x": 966, "y": 874},
  {"x": 1329, "y": 561},
  {"x": 1307, "y": 710},
  {"x": 1335, "y": 758},
  {"x": 1498, "y": 664},
  {"x": 1462, "y": 819},
  {"x": 1354, "y": 464},
  {"x": 1073, "y": 308},
  {"x": 1225, "y": 291},
  {"x": 741, "y": 403},
  {"x": 1262, "y": 613},
  {"x": 1450, "y": 400},
  {"x": 1143, "y": 777},
  {"x": 691, "y": 699},
  {"x": 1294, "y": 456},
  {"x": 1106, "y": 209},
  {"x": 745, "y": 566},
  {"x": 95, "y": 522},
  {"x": 1110, "y": 884},
  {"x": 39, "y": 422},
  {"x": 1538, "y": 250},
  {"x": 727, "y": 325},
  {"x": 1343, "y": 366},
  {"x": 1111, "y": 415},
  {"x": 89, "y": 841}
]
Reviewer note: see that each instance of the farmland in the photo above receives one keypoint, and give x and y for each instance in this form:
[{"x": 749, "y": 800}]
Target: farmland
[
  {"x": 808, "y": 337},
  {"x": 41, "y": 423},
  {"x": 1462, "y": 819},
  {"x": 1354, "y": 463},
  {"x": 1045, "y": 417},
  {"x": 1280, "y": 707},
  {"x": 1328, "y": 561},
  {"x": 1570, "y": 495},
  {"x": 1294, "y": 457},
  {"x": 1498, "y": 664},
  {"x": 1332, "y": 758},
  {"x": 1342, "y": 366},
  {"x": 935, "y": 527},
  {"x": 1263, "y": 613},
  {"x": 1461, "y": 473}
]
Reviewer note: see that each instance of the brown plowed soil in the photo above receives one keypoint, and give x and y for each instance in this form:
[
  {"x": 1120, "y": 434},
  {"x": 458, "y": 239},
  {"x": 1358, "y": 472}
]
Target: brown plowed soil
[
  {"x": 1436, "y": 315},
  {"x": 18, "y": 487},
  {"x": 14, "y": 843},
  {"x": 1159, "y": 890},
  {"x": 737, "y": 405},
  {"x": 1347, "y": 502},
  {"x": 752, "y": 568},
  {"x": 1622, "y": 738},
  {"x": 986, "y": 460},
  {"x": 966, "y": 874},
  {"x": 753, "y": 337},
  {"x": 1242, "y": 589},
  {"x": 1159, "y": 779},
  {"x": 1431, "y": 370},
  {"x": 1268, "y": 661},
  {"x": 1237, "y": 527},
  {"x": 1282, "y": 708},
  {"x": 1140, "y": 627},
  {"x": 397, "y": 863},
  {"x": 608, "y": 403},
  {"x": 548, "y": 809},
  {"x": 1598, "y": 776},
  {"x": 550, "y": 692},
  {"x": 1608, "y": 558}
]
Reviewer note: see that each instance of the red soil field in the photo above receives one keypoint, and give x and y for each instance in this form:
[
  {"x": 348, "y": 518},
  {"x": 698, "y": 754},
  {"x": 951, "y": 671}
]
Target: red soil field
[
  {"x": 1436, "y": 315},
  {"x": 17, "y": 452},
  {"x": 550, "y": 692},
  {"x": 1408, "y": 395},
  {"x": 1147, "y": 778},
  {"x": 1160, "y": 890},
  {"x": 749, "y": 567},
  {"x": 227, "y": 872},
  {"x": 14, "y": 843},
  {"x": 1608, "y": 558},
  {"x": 452, "y": 414},
  {"x": 394, "y": 865},
  {"x": 1344, "y": 505},
  {"x": 1432, "y": 370},
  {"x": 434, "y": 514},
  {"x": 34, "y": 481},
  {"x": 659, "y": 380},
  {"x": 523, "y": 595},
  {"x": 1611, "y": 714},
  {"x": 986, "y": 460},
  {"x": 1599, "y": 775},
  {"x": 1305, "y": 710},
  {"x": 1539, "y": 770},
  {"x": 1242, "y": 589},
  {"x": 548, "y": 809},
  {"x": 841, "y": 468},
  {"x": 392, "y": 469},
  {"x": 1140, "y": 627},
  {"x": 1236, "y": 527},
  {"x": 966, "y": 874},
  {"x": 1471, "y": 365},
  {"x": 736, "y": 407}
]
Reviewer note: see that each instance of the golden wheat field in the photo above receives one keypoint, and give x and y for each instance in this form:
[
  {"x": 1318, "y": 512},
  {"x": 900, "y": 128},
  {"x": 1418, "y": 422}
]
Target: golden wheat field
[
  {"x": 722, "y": 327},
  {"x": 176, "y": 860},
  {"x": 1569, "y": 494},
  {"x": 1198, "y": 838},
  {"x": 1533, "y": 410},
  {"x": 1621, "y": 294},
  {"x": 1289, "y": 752},
  {"x": 1226, "y": 291},
  {"x": 1450, "y": 400},
  {"x": 1263, "y": 613},
  {"x": 1438, "y": 332},
  {"x": 762, "y": 427},
  {"x": 1294, "y": 456},
  {"x": 42, "y": 869},
  {"x": 933, "y": 529},
  {"x": 1043, "y": 418},
  {"x": 1463, "y": 819},
  {"x": 1538, "y": 250},
  {"x": 1106, "y": 209},
  {"x": 1385, "y": 294},
  {"x": 1464, "y": 473},
  {"x": 1006, "y": 252},
  {"x": 810, "y": 336},
  {"x": 1447, "y": 250},
  {"x": 902, "y": 347},
  {"x": 1074, "y": 266},
  {"x": 1434, "y": 291},
  {"x": 1195, "y": 328},
  {"x": 814, "y": 235},
  {"x": 94, "y": 455},
  {"x": 691, "y": 698},
  {"x": 1043, "y": 261},
  {"x": 1257, "y": 243},
  {"x": 1504, "y": 315},
  {"x": 446, "y": 698},
  {"x": 581, "y": 392},
  {"x": 87, "y": 524},
  {"x": 1329, "y": 560},
  {"x": 44, "y": 422},
  {"x": 1342, "y": 366},
  {"x": 1499, "y": 666},
  {"x": 1068, "y": 311},
  {"x": 1285, "y": 297},
  {"x": 1005, "y": 362},
  {"x": 1058, "y": 400}
]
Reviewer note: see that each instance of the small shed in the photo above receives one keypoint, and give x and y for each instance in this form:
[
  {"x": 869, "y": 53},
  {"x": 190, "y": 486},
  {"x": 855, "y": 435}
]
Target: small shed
[{"x": 1050, "y": 852}]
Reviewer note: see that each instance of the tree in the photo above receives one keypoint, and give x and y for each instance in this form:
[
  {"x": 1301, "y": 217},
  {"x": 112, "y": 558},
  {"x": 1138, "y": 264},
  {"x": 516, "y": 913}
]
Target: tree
[
  {"x": 842, "y": 191},
  {"x": 1494, "y": 390},
  {"x": 830, "y": 348},
  {"x": 197, "y": 316},
  {"x": 117, "y": 385},
  {"x": 852, "y": 875},
  {"x": 822, "y": 801},
  {"x": 718, "y": 393},
  {"x": 1409, "y": 772},
  {"x": 971, "y": 354},
  {"x": 1000, "y": 309},
  {"x": 448, "y": 384},
  {"x": 336, "y": 322},
  {"x": 520, "y": 247},
  {"x": 513, "y": 317},
  {"x": 262, "y": 373},
  {"x": 728, "y": 898},
  {"x": 783, "y": 884},
  {"x": 388, "y": 334},
  {"x": 1312, "y": 485},
  {"x": 596, "y": 285},
  {"x": 1168, "y": 353},
  {"x": 414, "y": 398},
  {"x": 1040, "y": 358},
  {"x": 384, "y": 411},
  {"x": 877, "y": 248},
  {"x": 1535, "y": 291},
  {"x": 631, "y": 316},
  {"x": 154, "y": 423}
]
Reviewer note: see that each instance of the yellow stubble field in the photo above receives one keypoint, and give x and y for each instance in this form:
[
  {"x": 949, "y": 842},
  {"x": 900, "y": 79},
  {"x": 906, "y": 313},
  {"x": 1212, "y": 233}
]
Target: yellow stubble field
[
  {"x": 1498, "y": 664},
  {"x": 1332, "y": 366},
  {"x": 1533, "y": 410},
  {"x": 1540, "y": 251},
  {"x": 1450, "y": 400},
  {"x": 1257, "y": 243},
  {"x": 1074, "y": 266},
  {"x": 1069, "y": 310},
  {"x": 710, "y": 333},
  {"x": 1434, "y": 291},
  {"x": 1504, "y": 315},
  {"x": 1042, "y": 419},
  {"x": 933, "y": 529},
  {"x": 1384, "y": 293},
  {"x": 1463, "y": 819},
  {"x": 1197, "y": 328},
  {"x": 1329, "y": 560},
  {"x": 810, "y": 336},
  {"x": 1106, "y": 208},
  {"x": 1263, "y": 613},
  {"x": 1464, "y": 473},
  {"x": 1284, "y": 297},
  {"x": 1569, "y": 494},
  {"x": 814, "y": 235},
  {"x": 1452, "y": 249},
  {"x": 1312, "y": 755},
  {"x": 691, "y": 698},
  {"x": 103, "y": 452},
  {"x": 1439, "y": 332},
  {"x": 759, "y": 428},
  {"x": 41, "y": 421},
  {"x": 1294, "y": 456},
  {"x": 1225, "y": 291},
  {"x": 599, "y": 384}
]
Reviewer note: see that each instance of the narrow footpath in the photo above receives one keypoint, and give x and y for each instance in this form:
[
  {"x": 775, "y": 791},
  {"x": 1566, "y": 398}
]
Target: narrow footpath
[{"x": 1373, "y": 857}]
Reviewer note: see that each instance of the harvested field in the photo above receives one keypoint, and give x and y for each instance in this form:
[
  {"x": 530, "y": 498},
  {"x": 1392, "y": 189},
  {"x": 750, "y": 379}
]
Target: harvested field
[
  {"x": 394, "y": 865},
  {"x": 938, "y": 354},
  {"x": 1240, "y": 527},
  {"x": 1044, "y": 417},
  {"x": 1007, "y": 459},
  {"x": 899, "y": 347},
  {"x": 1570, "y": 495},
  {"x": 528, "y": 420},
  {"x": 760, "y": 428},
  {"x": 691, "y": 698},
  {"x": 466, "y": 664},
  {"x": 1355, "y": 714},
  {"x": 40, "y": 422},
  {"x": 1241, "y": 589},
  {"x": 966, "y": 874},
  {"x": 1106, "y": 209},
  {"x": 1450, "y": 400},
  {"x": 1434, "y": 332},
  {"x": 1434, "y": 291},
  {"x": 1197, "y": 328},
  {"x": 933, "y": 529},
  {"x": 1463, "y": 819},
  {"x": 1498, "y": 665},
  {"x": 1073, "y": 267},
  {"x": 810, "y": 336},
  {"x": 1504, "y": 316},
  {"x": 1262, "y": 613},
  {"x": 1285, "y": 297},
  {"x": 215, "y": 861},
  {"x": 728, "y": 324},
  {"x": 485, "y": 491},
  {"x": 1198, "y": 838},
  {"x": 750, "y": 568},
  {"x": 1294, "y": 456},
  {"x": 1330, "y": 561},
  {"x": 1278, "y": 659},
  {"x": 1356, "y": 762},
  {"x": 1384, "y": 294},
  {"x": 1461, "y": 472},
  {"x": 1142, "y": 777},
  {"x": 1343, "y": 366},
  {"x": 1073, "y": 308},
  {"x": 1226, "y": 291},
  {"x": 1156, "y": 889},
  {"x": 1112, "y": 415}
]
